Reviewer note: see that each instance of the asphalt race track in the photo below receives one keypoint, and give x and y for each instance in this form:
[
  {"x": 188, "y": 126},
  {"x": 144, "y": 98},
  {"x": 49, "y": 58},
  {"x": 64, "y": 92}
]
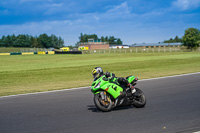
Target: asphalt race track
[{"x": 173, "y": 106}]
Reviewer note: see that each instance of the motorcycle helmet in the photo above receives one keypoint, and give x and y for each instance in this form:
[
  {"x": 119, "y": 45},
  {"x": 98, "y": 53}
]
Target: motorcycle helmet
[{"x": 97, "y": 72}]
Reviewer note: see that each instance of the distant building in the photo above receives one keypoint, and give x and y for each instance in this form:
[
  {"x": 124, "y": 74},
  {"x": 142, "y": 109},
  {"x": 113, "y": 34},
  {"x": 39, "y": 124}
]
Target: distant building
[
  {"x": 119, "y": 46},
  {"x": 94, "y": 40},
  {"x": 94, "y": 44},
  {"x": 156, "y": 44}
]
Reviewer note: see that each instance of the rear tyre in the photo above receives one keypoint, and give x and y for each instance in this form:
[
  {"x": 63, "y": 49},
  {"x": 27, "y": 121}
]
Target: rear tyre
[
  {"x": 139, "y": 99},
  {"x": 101, "y": 104}
]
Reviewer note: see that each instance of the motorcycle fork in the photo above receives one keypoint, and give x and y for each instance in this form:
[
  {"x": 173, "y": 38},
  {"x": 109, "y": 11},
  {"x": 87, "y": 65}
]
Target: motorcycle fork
[{"x": 104, "y": 96}]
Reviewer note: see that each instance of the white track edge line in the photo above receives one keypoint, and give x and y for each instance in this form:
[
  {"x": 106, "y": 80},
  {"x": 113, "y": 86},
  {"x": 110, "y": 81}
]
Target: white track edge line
[
  {"x": 197, "y": 132},
  {"x": 44, "y": 92},
  {"x": 170, "y": 76},
  {"x": 90, "y": 86}
]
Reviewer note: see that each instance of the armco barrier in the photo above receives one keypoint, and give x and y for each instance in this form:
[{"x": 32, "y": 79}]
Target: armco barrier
[
  {"x": 27, "y": 53},
  {"x": 68, "y": 52},
  {"x": 51, "y": 52},
  {"x": 41, "y": 52},
  {"x": 4, "y": 53},
  {"x": 15, "y": 53}
]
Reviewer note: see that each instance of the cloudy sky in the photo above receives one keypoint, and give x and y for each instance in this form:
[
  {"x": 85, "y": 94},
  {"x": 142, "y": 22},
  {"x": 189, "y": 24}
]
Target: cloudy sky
[{"x": 134, "y": 21}]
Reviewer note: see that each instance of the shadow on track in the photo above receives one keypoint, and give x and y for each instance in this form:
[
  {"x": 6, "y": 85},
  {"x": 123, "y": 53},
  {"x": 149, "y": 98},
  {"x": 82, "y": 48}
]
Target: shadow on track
[{"x": 93, "y": 108}]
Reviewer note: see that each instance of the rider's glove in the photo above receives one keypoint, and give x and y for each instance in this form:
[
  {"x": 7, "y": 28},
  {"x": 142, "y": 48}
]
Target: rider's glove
[{"x": 107, "y": 74}]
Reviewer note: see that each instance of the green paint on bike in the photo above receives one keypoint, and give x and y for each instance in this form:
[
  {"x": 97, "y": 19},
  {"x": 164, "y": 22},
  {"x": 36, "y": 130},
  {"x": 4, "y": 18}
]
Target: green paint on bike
[{"x": 111, "y": 86}]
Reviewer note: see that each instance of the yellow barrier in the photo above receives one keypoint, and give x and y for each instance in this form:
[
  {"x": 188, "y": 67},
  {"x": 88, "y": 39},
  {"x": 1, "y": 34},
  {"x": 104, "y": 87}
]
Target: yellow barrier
[
  {"x": 83, "y": 48},
  {"x": 4, "y": 53},
  {"x": 51, "y": 52},
  {"x": 27, "y": 53},
  {"x": 41, "y": 52}
]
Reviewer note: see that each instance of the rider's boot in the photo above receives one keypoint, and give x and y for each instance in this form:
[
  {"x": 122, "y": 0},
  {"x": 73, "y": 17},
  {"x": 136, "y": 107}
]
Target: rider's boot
[
  {"x": 130, "y": 89},
  {"x": 133, "y": 90}
]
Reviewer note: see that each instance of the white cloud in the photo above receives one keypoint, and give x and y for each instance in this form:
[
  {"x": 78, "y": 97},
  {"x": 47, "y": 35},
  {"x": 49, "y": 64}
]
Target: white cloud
[
  {"x": 54, "y": 5},
  {"x": 24, "y": 1},
  {"x": 120, "y": 9},
  {"x": 70, "y": 30},
  {"x": 115, "y": 13},
  {"x": 117, "y": 20},
  {"x": 67, "y": 29},
  {"x": 53, "y": 8},
  {"x": 186, "y": 4}
]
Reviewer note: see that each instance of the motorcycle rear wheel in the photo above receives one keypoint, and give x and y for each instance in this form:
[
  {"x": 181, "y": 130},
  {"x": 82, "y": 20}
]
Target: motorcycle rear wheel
[
  {"x": 139, "y": 99},
  {"x": 102, "y": 105}
]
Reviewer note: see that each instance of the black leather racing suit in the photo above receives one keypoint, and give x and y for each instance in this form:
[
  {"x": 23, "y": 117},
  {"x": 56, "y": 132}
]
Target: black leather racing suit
[{"x": 121, "y": 80}]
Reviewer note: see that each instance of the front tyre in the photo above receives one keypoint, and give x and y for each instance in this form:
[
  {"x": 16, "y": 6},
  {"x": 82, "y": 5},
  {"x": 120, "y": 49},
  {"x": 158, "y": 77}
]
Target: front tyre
[
  {"x": 103, "y": 105},
  {"x": 139, "y": 99}
]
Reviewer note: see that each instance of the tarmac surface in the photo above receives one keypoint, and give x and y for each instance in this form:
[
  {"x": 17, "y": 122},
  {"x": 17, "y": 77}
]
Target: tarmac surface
[{"x": 173, "y": 106}]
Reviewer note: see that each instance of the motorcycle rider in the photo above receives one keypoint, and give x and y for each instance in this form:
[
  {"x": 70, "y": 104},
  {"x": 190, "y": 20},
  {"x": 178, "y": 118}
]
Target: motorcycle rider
[{"x": 97, "y": 72}]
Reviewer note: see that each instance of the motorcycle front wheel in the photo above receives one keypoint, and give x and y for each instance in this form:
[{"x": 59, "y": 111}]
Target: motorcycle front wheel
[
  {"x": 103, "y": 105},
  {"x": 139, "y": 99}
]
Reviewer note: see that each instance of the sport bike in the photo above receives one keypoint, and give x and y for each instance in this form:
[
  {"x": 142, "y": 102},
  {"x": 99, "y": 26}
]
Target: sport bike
[{"x": 107, "y": 94}]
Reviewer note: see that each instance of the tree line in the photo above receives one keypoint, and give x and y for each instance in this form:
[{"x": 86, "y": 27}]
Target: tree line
[
  {"x": 191, "y": 38},
  {"x": 111, "y": 39},
  {"x": 42, "y": 41},
  {"x": 175, "y": 40}
]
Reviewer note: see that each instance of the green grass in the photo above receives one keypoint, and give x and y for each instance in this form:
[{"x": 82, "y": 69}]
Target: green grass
[{"x": 35, "y": 73}]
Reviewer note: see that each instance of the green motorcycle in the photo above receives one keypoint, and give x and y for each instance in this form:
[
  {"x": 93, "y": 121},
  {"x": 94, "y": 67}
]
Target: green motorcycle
[{"x": 107, "y": 94}]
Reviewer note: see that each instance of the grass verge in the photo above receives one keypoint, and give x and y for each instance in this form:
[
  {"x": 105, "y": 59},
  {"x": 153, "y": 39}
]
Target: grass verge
[{"x": 36, "y": 73}]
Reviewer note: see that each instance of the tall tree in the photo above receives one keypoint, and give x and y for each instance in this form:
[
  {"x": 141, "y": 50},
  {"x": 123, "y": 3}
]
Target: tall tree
[
  {"x": 13, "y": 38},
  {"x": 28, "y": 41},
  {"x": 177, "y": 39},
  {"x": 34, "y": 42},
  {"x": 171, "y": 40},
  {"x": 3, "y": 41},
  {"x": 85, "y": 37},
  {"x": 106, "y": 39},
  {"x": 20, "y": 41},
  {"x": 102, "y": 39},
  {"x": 112, "y": 40},
  {"x": 54, "y": 41},
  {"x": 191, "y": 38},
  {"x": 119, "y": 42},
  {"x": 8, "y": 41},
  {"x": 44, "y": 40},
  {"x": 60, "y": 42}
]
